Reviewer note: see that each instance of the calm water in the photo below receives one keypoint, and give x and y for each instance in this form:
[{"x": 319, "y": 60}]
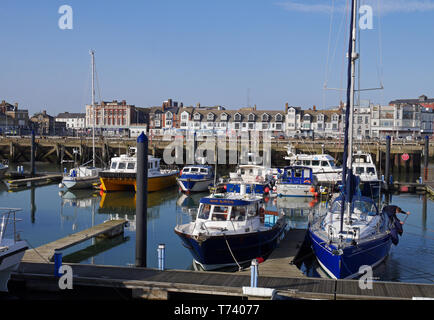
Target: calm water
[{"x": 49, "y": 214}]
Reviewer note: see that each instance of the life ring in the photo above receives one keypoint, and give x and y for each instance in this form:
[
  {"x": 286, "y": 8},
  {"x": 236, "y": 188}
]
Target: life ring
[{"x": 307, "y": 181}]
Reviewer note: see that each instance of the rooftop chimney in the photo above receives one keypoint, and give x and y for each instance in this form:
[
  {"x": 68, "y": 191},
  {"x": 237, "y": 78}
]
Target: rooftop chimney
[{"x": 286, "y": 107}]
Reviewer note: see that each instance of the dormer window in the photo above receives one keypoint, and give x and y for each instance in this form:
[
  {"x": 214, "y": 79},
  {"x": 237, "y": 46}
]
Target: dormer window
[
  {"x": 265, "y": 117},
  {"x": 279, "y": 117},
  {"x": 184, "y": 116},
  {"x": 306, "y": 117},
  {"x": 237, "y": 117},
  {"x": 210, "y": 116},
  {"x": 224, "y": 117},
  {"x": 169, "y": 115},
  {"x": 320, "y": 117},
  {"x": 196, "y": 116},
  {"x": 251, "y": 117}
]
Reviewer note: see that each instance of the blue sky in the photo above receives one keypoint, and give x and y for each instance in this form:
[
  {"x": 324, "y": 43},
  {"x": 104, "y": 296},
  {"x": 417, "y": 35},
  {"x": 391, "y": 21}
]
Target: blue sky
[{"x": 213, "y": 52}]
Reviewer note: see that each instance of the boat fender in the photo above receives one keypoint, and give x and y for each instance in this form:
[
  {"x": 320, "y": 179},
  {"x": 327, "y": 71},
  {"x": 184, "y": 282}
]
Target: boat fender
[
  {"x": 262, "y": 215},
  {"x": 307, "y": 181},
  {"x": 394, "y": 236}
]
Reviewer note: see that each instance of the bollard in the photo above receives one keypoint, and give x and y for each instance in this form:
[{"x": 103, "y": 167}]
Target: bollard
[
  {"x": 387, "y": 163},
  {"x": 57, "y": 262},
  {"x": 254, "y": 273},
  {"x": 32, "y": 154},
  {"x": 141, "y": 200},
  {"x": 161, "y": 256}
]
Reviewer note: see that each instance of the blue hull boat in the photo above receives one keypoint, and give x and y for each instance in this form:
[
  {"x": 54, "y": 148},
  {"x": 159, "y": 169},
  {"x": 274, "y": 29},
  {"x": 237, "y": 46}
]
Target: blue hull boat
[{"x": 231, "y": 230}]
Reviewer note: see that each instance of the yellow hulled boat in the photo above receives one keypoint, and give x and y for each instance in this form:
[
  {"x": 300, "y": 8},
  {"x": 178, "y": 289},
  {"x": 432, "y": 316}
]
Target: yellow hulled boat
[{"x": 122, "y": 174}]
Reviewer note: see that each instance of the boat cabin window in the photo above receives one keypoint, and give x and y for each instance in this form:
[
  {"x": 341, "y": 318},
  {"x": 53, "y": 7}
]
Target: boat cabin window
[
  {"x": 315, "y": 162},
  {"x": 298, "y": 173},
  {"x": 306, "y": 162},
  {"x": 186, "y": 170},
  {"x": 324, "y": 164},
  {"x": 220, "y": 213},
  {"x": 149, "y": 165},
  {"x": 202, "y": 170},
  {"x": 336, "y": 207},
  {"x": 131, "y": 165},
  {"x": 238, "y": 213},
  {"x": 114, "y": 164},
  {"x": 332, "y": 163},
  {"x": 252, "y": 210},
  {"x": 364, "y": 207},
  {"x": 360, "y": 170},
  {"x": 194, "y": 170},
  {"x": 298, "y": 163},
  {"x": 370, "y": 170},
  {"x": 122, "y": 165},
  {"x": 204, "y": 211}
]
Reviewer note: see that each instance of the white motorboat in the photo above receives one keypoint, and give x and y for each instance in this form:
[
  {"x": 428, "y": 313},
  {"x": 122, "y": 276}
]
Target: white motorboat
[
  {"x": 323, "y": 166},
  {"x": 3, "y": 169},
  {"x": 11, "y": 247},
  {"x": 83, "y": 177},
  {"x": 257, "y": 179},
  {"x": 365, "y": 169}
]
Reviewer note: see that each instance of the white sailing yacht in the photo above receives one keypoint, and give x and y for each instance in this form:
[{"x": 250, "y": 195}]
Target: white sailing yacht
[{"x": 85, "y": 176}]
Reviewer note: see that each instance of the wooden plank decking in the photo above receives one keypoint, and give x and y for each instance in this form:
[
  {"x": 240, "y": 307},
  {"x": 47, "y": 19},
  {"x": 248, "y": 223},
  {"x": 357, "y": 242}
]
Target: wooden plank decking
[
  {"x": 45, "y": 253},
  {"x": 279, "y": 263},
  {"x": 45, "y": 178},
  {"x": 156, "y": 284}
]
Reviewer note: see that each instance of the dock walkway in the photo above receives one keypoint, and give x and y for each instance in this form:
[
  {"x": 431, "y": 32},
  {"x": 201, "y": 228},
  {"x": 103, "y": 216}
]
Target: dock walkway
[
  {"x": 279, "y": 263},
  {"x": 45, "y": 252},
  {"x": 152, "y": 284},
  {"x": 48, "y": 178}
]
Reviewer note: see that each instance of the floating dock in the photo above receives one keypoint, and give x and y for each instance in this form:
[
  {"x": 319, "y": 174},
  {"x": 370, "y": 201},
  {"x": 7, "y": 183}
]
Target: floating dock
[
  {"x": 280, "y": 262},
  {"x": 45, "y": 253},
  {"x": 35, "y": 277},
  {"x": 40, "y": 180},
  {"x": 153, "y": 284}
]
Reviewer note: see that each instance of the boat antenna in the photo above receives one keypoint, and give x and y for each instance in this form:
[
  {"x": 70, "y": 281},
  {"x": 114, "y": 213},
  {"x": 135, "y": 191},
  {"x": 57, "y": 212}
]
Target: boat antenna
[
  {"x": 92, "y": 54},
  {"x": 347, "y": 177}
]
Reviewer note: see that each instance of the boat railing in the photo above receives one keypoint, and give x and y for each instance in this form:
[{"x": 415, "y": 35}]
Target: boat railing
[{"x": 7, "y": 218}]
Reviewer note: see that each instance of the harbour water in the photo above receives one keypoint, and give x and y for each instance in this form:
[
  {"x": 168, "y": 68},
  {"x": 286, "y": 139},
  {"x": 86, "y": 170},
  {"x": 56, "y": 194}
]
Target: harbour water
[{"x": 48, "y": 213}]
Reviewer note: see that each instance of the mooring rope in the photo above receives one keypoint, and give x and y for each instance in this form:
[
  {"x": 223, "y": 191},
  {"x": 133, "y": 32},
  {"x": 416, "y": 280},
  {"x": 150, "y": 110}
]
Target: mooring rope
[{"x": 229, "y": 247}]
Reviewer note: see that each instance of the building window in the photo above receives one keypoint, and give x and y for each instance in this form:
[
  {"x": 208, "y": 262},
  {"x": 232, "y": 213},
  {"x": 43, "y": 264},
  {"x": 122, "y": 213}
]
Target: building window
[
  {"x": 278, "y": 126},
  {"x": 251, "y": 126},
  {"x": 237, "y": 125},
  {"x": 264, "y": 125},
  {"x": 224, "y": 117},
  {"x": 251, "y": 117},
  {"x": 237, "y": 117},
  {"x": 278, "y": 117}
]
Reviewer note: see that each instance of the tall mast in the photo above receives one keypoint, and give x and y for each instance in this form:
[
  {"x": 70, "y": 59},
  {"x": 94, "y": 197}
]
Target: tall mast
[
  {"x": 354, "y": 56},
  {"x": 92, "y": 53},
  {"x": 347, "y": 162}
]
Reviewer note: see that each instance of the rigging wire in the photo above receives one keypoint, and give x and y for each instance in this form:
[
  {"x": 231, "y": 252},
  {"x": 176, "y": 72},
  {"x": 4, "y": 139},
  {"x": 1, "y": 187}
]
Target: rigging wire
[{"x": 328, "y": 52}]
